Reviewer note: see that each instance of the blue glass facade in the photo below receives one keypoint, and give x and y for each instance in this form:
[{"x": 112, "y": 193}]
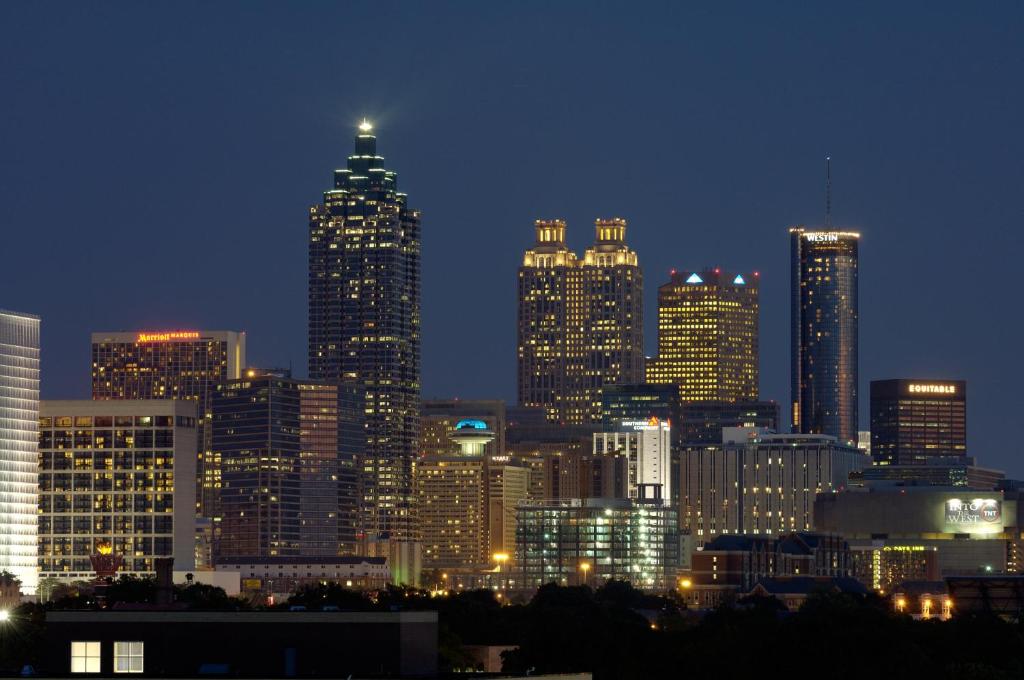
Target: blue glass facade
[{"x": 824, "y": 332}]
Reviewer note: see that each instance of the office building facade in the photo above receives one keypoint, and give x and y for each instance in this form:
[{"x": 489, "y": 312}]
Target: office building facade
[
  {"x": 825, "y": 317},
  {"x": 364, "y": 326},
  {"x": 708, "y": 336},
  {"x": 576, "y": 541},
  {"x": 702, "y": 422},
  {"x": 116, "y": 478},
  {"x": 331, "y": 436},
  {"x": 760, "y": 484},
  {"x": 640, "y": 402},
  {"x": 288, "y": 451},
  {"x": 180, "y": 364},
  {"x": 19, "y": 458},
  {"x": 646, "y": 446},
  {"x": 914, "y": 419},
  {"x": 580, "y": 321}
]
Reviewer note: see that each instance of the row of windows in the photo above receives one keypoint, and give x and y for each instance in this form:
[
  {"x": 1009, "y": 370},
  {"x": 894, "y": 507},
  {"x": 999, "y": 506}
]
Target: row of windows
[{"x": 86, "y": 657}]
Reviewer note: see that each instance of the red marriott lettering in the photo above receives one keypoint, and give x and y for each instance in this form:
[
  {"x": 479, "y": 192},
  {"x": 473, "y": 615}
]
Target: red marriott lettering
[{"x": 168, "y": 336}]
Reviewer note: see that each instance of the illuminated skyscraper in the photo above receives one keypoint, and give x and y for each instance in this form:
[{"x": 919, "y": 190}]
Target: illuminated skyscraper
[
  {"x": 824, "y": 332},
  {"x": 708, "y": 336},
  {"x": 364, "y": 326},
  {"x": 19, "y": 439},
  {"x": 580, "y": 321},
  {"x": 913, "y": 420},
  {"x": 172, "y": 365}
]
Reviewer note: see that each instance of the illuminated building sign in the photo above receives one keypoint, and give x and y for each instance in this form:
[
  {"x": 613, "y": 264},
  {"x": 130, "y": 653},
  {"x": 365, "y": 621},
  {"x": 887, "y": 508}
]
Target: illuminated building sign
[
  {"x": 168, "y": 336},
  {"x": 931, "y": 389},
  {"x": 822, "y": 237},
  {"x": 651, "y": 424},
  {"x": 978, "y": 515}
]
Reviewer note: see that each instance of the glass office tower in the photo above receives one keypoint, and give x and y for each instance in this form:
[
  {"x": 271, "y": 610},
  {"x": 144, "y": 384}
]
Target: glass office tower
[
  {"x": 364, "y": 326},
  {"x": 287, "y": 449},
  {"x": 914, "y": 419},
  {"x": 708, "y": 336},
  {"x": 824, "y": 332},
  {"x": 19, "y": 457}
]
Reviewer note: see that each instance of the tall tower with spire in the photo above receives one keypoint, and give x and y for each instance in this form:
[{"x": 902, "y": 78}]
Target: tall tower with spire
[
  {"x": 824, "y": 282},
  {"x": 364, "y": 327}
]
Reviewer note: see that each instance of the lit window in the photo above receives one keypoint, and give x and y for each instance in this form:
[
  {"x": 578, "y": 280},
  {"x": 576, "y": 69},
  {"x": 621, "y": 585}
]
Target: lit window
[
  {"x": 85, "y": 657},
  {"x": 127, "y": 657}
]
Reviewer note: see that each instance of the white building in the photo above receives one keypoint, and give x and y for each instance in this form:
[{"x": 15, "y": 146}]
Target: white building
[
  {"x": 647, "y": 445},
  {"x": 19, "y": 457},
  {"x": 118, "y": 475}
]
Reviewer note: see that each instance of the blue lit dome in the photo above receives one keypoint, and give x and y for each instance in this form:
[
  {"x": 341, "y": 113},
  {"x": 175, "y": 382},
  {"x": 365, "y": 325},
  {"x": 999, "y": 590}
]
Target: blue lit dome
[{"x": 470, "y": 424}]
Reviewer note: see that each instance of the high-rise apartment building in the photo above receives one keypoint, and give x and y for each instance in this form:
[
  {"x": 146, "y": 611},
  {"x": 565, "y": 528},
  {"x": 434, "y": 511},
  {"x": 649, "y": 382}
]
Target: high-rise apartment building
[
  {"x": 580, "y": 323},
  {"x": 708, "y": 336},
  {"x": 364, "y": 326},
  {"x": 116, "y": 478},
  {"x": 182, "y": 364},
  {"x": 19, "y": 460},
  {"x": 287, "y": 449},
  {"x": 824, "y": 332},
  {"x": 916, "y": 419}
]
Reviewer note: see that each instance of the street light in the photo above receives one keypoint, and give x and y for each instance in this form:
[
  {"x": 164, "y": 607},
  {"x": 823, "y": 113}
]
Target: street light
[
  {"x": 585, "y": 568},
  {"x": 685, "y": 583},
  {"x": 5, "y": 615}
]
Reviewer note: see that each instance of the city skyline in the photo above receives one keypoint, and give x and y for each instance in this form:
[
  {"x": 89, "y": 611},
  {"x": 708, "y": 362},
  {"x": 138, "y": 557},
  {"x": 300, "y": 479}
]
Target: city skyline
[{"x": 899, "y": 206}]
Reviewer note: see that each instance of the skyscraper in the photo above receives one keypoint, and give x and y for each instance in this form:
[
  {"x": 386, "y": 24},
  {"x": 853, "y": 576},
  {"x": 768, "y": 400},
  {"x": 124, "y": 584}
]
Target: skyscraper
[
  {"x": 182, "y": 364},
  {"x": 580, "y": 323},
  {"x": 287, "y": 449},
  {"x": 19, "y": 440},
  {"x": 913, "y": 420},
  {"x": 256, "y": 435},
  {"x": 467, "y": 500},
  {"x": 364, "y": 326},
  {"x": 708, "y": 336},
  {"x": 824, "y": 332}
]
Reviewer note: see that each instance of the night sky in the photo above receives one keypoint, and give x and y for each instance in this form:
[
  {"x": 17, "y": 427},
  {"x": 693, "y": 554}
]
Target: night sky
[{"x": 157, "y": 162}]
